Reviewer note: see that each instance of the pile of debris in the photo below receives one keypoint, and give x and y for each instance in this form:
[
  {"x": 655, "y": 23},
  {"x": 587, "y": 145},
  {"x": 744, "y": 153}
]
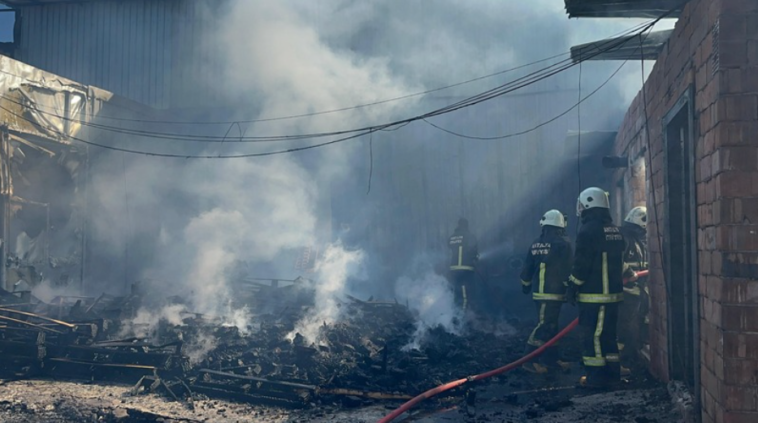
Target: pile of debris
[{"x": 362, "y": 358}]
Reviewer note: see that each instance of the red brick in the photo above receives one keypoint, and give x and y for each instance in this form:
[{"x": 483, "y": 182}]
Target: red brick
[
  {"x": 707, "y": 215},
  {"x": 740, "y": 372},
  {"x": 722, "y": 211},
  {"x": 712, "y": 336},
  {"x": 733, "y": 27},
  {"x": 711, "y": 93},
  {"x": 749, "y": 79},
  {"x": 741, "y": 107},
  {"x": 740, "y": 398},
  {"x": 740, "y": 318},
  {"x": 709, "y": 406},
  {"x": 732, "y": 184},
  {"x": 739, "y": 291},
  {"x": 752, "y": 52},
  {"x": 748, "y": 210},
  {"x": 714, "y": 289},
  {"x": 717, "y": 259},
  {"x": 705, "y": 167},
  {"x": 710, "y": 191},
  {"x": 710, "y": 238},
  {"x": 732, "y": 53},
  {"x": 718, "y": 366},
  {"x": 751, "y": 26},
  {"x": 704, "y": 261},
  {"x": 712, "y": 312},
  {"x": 737, "y": 158},
  {"x": 738, "y": 6},
  {"x": 730, "y": 81},
  {"x": 740, "y": 345},
  {"x": 737, "y": 237},
  {"x": 739, "y": 417},
  {"x": 710, "y": 382}
]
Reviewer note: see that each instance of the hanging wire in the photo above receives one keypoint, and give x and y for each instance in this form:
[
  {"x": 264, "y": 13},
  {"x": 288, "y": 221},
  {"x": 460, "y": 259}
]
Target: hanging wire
[{"x": 371, "y": 160}]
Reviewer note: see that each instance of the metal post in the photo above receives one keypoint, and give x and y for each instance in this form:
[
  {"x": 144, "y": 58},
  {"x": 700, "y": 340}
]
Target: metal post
[
  {"x": 85, "y": 219},
  {"x": 4, "y": 205}
]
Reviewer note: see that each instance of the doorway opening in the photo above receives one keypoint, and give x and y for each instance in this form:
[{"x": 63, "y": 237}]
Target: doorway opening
[{"x": 680, "y": 249}]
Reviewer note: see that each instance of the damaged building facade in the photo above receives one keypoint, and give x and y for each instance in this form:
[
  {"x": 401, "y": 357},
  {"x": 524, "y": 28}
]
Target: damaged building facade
[
  {"x": 691, "y": 155},
  {"x": 43, "y": 175}
]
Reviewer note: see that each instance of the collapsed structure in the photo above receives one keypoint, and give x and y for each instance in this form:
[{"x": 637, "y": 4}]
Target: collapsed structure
[{"x": 365, "y": 357}]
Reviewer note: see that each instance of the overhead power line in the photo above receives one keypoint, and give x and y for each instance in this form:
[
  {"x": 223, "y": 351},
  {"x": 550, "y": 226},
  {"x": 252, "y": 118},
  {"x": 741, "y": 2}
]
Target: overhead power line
[
  {"x": 342, "y": 109},
  {"x": 355, "y": 133},
  {"x": 500, "y": 90},
  {"x": 547, "y": 122}
]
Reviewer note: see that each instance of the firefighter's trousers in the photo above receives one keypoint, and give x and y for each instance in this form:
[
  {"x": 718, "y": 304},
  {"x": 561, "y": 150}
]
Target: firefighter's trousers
[
  {"x": 463, "y": 288},
  {"x": 631, "y": 325},
  {"x": 548, "y": 313},
  {"x": 598, "y": 323}
]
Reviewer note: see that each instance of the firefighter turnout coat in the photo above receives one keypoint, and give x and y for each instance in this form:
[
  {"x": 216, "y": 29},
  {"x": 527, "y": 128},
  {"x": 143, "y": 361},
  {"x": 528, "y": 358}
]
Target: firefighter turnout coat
[
  {"x": 548, "y": 265},
  {"x": 464, "y": 251},
  {"x": 599, "y": 259}
]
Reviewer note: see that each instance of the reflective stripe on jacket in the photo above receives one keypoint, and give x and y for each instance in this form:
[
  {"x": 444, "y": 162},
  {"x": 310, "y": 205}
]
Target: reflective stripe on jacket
[
  {"x": 463, "y": 250},
  {"x": 548, "y": 265},
  {"x": 598, "y": 261}
]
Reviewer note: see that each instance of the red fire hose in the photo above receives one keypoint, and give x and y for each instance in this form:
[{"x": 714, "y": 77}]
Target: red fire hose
[{"x": 456, "y": 383}]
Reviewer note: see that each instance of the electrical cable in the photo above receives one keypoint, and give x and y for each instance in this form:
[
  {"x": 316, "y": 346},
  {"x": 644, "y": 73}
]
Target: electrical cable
[
  {"x": 457, "y": 84},
  {"x": 577, "y": 105},
  {"x": 650, "y": 160},
  {"x": 579, "y": 128},
  {"x": 297, "y": 149},
  {"x": 547, "y": 122},
  {"x": 371, "y": 161},
  {"x": 493, "y": 93},
  {"x": 487, "y": 95}
]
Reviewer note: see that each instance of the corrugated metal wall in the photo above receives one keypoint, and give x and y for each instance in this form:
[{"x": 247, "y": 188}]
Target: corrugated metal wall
[
  {"x": 150, "y": 51},
  {"x": 505, "y": 186}
]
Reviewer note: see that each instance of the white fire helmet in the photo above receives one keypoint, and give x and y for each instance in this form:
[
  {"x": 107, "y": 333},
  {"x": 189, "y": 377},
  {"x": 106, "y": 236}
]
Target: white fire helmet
[
  {"x": 638, "y": 216},
  {"x": 553, "y": 218},
  {"x": 592, "y": 198}
]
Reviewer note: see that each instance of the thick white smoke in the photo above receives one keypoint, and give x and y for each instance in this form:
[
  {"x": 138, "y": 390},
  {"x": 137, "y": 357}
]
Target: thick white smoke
[
  {"x": 207, "y": 215},
  {"x": 290, "y": 58},
  {"x": 431, "y": 299},
  {"x": 333, "y": 271}
]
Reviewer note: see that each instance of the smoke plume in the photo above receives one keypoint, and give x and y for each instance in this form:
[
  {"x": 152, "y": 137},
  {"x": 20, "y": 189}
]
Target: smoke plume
[
  {"x": 180, "y": 225},
  {"x": 333, "y": 271}
]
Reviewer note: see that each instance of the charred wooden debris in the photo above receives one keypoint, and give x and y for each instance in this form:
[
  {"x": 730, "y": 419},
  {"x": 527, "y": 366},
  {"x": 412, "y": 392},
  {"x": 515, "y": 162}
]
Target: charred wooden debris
[{"x": 361, "y": 359}]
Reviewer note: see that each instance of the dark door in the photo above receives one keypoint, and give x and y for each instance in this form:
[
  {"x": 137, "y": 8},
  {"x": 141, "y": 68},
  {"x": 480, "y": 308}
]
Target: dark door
[{"x": 680, "y": 249}]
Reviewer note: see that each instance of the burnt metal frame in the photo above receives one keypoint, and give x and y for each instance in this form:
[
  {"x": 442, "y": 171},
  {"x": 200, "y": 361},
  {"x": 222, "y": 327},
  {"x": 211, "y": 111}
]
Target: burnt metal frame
[{"x": 690, "y": 304}]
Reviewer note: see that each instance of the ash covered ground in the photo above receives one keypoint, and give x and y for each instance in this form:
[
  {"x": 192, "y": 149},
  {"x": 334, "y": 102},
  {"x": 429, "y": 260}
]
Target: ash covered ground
[{"x": 360, "y": 368}]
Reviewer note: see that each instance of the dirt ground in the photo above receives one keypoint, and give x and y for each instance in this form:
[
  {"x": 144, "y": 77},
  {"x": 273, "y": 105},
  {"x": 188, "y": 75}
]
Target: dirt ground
[{"x": 38, "y": 401}]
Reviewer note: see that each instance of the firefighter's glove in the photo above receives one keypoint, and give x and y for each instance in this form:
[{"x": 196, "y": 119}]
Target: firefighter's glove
[{"x": 526, "y": 289}]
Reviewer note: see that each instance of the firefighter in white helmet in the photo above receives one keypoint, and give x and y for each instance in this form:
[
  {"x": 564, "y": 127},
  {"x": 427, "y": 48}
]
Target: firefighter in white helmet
[
  {"x": 633, "y": 330},
  {"x": 544, "y": 275},
  {"x": 596, "y": 285}
]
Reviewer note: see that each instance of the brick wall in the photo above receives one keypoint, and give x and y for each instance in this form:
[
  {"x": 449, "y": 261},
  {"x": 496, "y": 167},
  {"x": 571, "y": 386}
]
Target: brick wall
[{"x": 715, "y": 48}]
